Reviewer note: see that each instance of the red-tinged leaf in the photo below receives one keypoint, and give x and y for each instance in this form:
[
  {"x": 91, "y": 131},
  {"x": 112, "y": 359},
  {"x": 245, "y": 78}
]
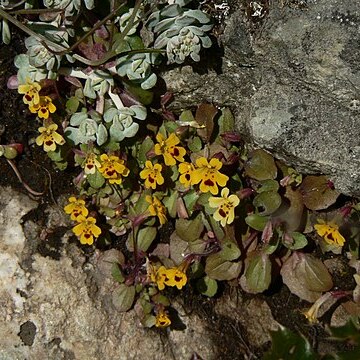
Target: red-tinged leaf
[
  {"x": 317, "y": 192},
  {"x": 205, "y": 115},
  {"x": 260, "y": 166}
]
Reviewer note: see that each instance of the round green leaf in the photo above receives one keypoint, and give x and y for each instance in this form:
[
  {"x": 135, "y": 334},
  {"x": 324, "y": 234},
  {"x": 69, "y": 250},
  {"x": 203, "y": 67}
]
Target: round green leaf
[
  {"x": 229, "y": 251},
  {"x": 123, "y": 297},
  {"x": 190, "y": 230},
  {"x": 260, "y": 166},
  {"x": 267, "y": 202},
  {"x": 219, "y": 269},
  {"x": 207, "y": 286},
  {"x": 299, "y": 241},
  {"x": 256, "y": 221},
  {"x": 269, "y": 185},
  {"x": 96, "y": 180}
]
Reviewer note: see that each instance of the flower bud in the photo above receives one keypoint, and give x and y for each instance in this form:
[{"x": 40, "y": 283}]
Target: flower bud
[
  {"x": 12, "y": 151},
  {"x": 245, "y": 193},
  {"x": 231, "y": 136}
]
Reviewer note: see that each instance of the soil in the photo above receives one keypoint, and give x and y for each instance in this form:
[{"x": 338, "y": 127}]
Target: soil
[{"x": 38, "y": 172}]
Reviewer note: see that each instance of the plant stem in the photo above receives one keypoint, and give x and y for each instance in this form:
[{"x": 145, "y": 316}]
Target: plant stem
[{"x": 23, "y": 183}]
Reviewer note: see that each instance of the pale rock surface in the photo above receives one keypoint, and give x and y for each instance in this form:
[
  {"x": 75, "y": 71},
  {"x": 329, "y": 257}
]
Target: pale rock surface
[{"x": 60, "y": 307}]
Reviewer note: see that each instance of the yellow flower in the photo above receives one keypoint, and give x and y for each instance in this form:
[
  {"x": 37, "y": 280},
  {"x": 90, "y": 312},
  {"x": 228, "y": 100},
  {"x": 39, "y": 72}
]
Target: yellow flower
[
  {"x": 175, "y": 277},
  {"x": 208, "y": 175},
  {"x": 168, "y": 149},
  {"x": 49, "y": 137},
  {"x": 162, "y": 319},
  {"x": 113, "y": 168},
  {"x": 152, "y": 175},
  {"x": 312, "y": 313},
  {"x": 160, "y": 276},
  {"x": 86, "y": 229},
  {"x": 91, "y": 163},
  {"x": 76, "y": 208},
  {"x": 186, "y": 169},
  {"x": 171, "y": 277},
  {"x": 43, "y": 107},
  {"x": 31, "y": 92},
  {"x": 329, "y": 232},
  {"x": 156, "y": 208},
  {"x": 225, "y": 207}
]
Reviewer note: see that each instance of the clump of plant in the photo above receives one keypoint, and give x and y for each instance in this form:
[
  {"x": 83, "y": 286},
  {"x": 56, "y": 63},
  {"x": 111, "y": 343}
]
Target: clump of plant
[
  {"x": 289, "y": 345},
  {"x": 239, "y": 215}
]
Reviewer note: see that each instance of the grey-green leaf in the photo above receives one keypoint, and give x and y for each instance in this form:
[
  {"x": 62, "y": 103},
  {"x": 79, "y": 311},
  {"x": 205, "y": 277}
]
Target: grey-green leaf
[
  {"x": 123, "y": 297},
  {"x": 207, "y": 286},
  {"x": 258, "y": 273}
]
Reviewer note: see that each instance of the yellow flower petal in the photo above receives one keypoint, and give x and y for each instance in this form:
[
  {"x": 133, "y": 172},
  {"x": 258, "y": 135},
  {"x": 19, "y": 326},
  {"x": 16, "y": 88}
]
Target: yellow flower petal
[{"x": 330, "y": 233}]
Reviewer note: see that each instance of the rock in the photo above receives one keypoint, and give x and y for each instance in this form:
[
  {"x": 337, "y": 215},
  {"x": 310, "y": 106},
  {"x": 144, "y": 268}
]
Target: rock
[
  {"x": 13, "y": 279},
  {"x": 293, "y": 83},
  {"x": 50, "y": 308},
  {"x": 56, "y": 303},
  {"x": 254, "y": 316}
]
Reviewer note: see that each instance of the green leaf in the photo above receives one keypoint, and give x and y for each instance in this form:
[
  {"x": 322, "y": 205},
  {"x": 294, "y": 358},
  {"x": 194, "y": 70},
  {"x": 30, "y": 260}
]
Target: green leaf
[
  {"x": 135, "y": 42},
  {"x": 186, "y": 116},
  {"x": 178, "y": 247},
  {"x": 55, "y": 155},
  {"x": 116, "y": 273},
  {"x": 144, "y": 96},
  {"x": 258, "y": 273},
  {"x": 61, "y": 165},
  {"x": 229, "y": 250},
  {"x": 170, "y": 126},
  {"x": 269, "y": 185},
  {"x": 299, "y": 241},
  {"x": 207, "y": 286},
  {"x": 6, "y": 33},
  {"x": 289, "y": 346},
  {"x": 72, "y": 104},
  {"x": 160, "y": 299},
  {"x": 196, "y": 246},
  {"x": 145, "y": 237},
  {"x": 267, "y": 202},
  {"x": 256, "y": 221},
  {"x": 190, "y": 230},
  {"x": 350, "y": 331},
  {"x": 120, "y": 45},
  {"x": 226, "y": 121},
  {"x": 190, "y": 200},
  {"x": 145, "y": 147},
  {"x": 219, "y": 269},
  {"x": 170, "y": 203},
  {"x": 260, "y": 166},
  {"x": 96, "y": 180},
  {"x": 195, "y": 144},
  {"x": 141, "y": 205},
  {"x": 216, "y": 228},
  {"x": 149, "y": 321},
  {"x": 272, "y": 246},
  {"x": 123, "y": 297}
]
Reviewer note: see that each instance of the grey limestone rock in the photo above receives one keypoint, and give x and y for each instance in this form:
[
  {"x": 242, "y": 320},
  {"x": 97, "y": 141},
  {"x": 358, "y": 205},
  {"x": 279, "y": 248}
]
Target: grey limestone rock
[{"x": 293, "y": 82}]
